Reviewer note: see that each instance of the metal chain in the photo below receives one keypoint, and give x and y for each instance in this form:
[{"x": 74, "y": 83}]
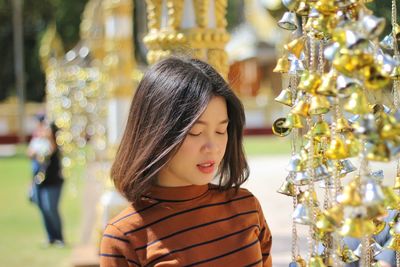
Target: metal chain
[
  {"x": 295, "y": 250},
  {"x": 321, "y": 57},
  {"x": 394, "y": 21},
  {"x": 312, "y": 54},
  {"x": 397, "y": 258},
  {"x": 303, "y": 26}
]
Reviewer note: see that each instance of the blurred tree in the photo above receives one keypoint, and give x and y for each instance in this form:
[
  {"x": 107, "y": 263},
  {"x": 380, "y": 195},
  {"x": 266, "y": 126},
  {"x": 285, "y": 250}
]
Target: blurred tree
[
  {"x": 36, "y": 16},
  {"x": 67, "y": 14}
]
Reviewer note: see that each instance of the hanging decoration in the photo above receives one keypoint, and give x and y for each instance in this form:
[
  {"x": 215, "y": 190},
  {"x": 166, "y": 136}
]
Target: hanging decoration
[{"x": 336, "y": 71}]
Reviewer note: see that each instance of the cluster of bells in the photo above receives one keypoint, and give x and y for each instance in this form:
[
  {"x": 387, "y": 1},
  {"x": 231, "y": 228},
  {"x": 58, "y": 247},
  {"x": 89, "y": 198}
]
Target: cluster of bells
[
  {"x": 74, "y": 97},
  {"x": 342, "y": 123}
]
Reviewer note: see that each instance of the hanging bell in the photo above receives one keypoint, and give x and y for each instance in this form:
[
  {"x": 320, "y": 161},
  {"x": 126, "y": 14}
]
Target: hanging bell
[
  {"x": 328, "y": 85},
  {"x": 357, "y": 228},
  {"x": 351, "y": 195},
  {"x": 387, "y": 42},
  {"x": 301, "y": 108},
  {"x": 394, "y": 243},
  {"x": 391, "y": 199},
  {"x": 300, "y": 261},
  {"x": 326, "y": 7},
  {"x": 354, "y": 40},
  {"x": 324, "y": 224},
  {"x": 331, "y": 50},
  {"x": 316, "y": 261},
  {"x": 302, "y": 214},
  {"x": 357, "y": 103},
  {"x": 397, "y": 182},
  {"x": 372, "y": 26},
  {"x": 395, "y": 75},
  {"x": 335, "y": 215},
  {"x": 376, "y": 211},
  {"x": 345, "y": 167},
  {"x": 337, "y": 149},
  {"x": 379, "y": 226},
  {"x": 296, "y": 67},
  {"x": 373, "y": 194},
  {"x": 287, "y": 188},
  {"x": 296, "y": 164},
  {"x": 378, "y": 151},
  {"x": 342, "y": 125},
  {"x": 302, "y": 178},
  {"x": 307, "y": 197},
  {"x": 303, "y": 8},
  {"x": 353, "y": 144},
  {"x": 283, "y": 64},
  {"x": 375, "y": 79},
  {"x": 396, "y": 31},
  {"x": 278, "y": 129},
  {"x": 374, "y": 248},
  {"x": 319, "y": 105},
  {"x": 296, "y": 46},
  {"x": 346, "y": 85},
  {"x": 309, "y": 82},
  {"x": 321, "y": 129},
  {"x": 377, "y": 176},
  {"x": 293, "y": 121},
  {"x": 285, "y": 97},
  {"x": 365, "y": 126},
  {"x": 347, "y": 255},
  {"x": 321, "y": 173},
  {"x": 288, "y": 21}
]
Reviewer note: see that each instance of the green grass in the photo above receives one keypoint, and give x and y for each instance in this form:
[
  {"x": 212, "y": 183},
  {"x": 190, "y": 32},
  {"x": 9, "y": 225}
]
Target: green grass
[
  {"x": 266, "y": 145},
  {"x": 22, "y": 232}
]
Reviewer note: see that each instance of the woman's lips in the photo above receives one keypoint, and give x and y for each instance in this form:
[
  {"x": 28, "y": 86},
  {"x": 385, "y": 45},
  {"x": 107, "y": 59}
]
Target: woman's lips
[{"x": 206, "y": 167}]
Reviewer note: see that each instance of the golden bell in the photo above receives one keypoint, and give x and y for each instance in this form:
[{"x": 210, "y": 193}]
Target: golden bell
[
  {"x": 351, "y": 195},
  {"x": 303, "y": 8},
  {"x": 293, "y": 121},
  {"x": 375, "y": 79},
  {"x": 285, "y": 97},
  {"x": 391, "y": 199},
  {"x": 300, "y": 261},
  {"x": 378, "y": 151},
  {"x": 357, "y": 227},
  {"x": 287, "y": 188},
  {"x": 324, "y": 224},
  {"x": 334, "y": 214},
  {"x": 319, "y": 105},
  {"x": 394, "y": 243},
  {"x": 376, "y": 211},
  {"x": 397, "y": 182},
  {"x": 357, "y": 103},
  {"x": 379, "y": 226},
  {"x": 353, "y": 145},
  {"x": 326, "y": 6},
  {"x": 328, "y": 85},
  {"x": 301, "y": 108},
  {"x": 283, "y": 65},
  {"x": 278, "y": 129},
  {"x": 316, "y": 261},
  {"x": 396, "y": 31},
  {"x": 309, "y": 82},
  {"x": 348, "y": 255},
  {"x": 337, "y": 149},
  {"x": 342, "y": 125},
  {"x": 321, "y": 129},
  {"x": 296, "y": 46},
  {"x": 395, "y": 75}
]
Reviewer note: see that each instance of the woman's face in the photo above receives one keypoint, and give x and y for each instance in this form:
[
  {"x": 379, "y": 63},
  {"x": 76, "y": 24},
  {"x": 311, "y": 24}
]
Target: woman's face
[{"x": 202, "y": 150}]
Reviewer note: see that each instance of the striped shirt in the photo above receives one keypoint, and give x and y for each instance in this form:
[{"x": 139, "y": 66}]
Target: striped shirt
[{"x": 189, "y": 226}]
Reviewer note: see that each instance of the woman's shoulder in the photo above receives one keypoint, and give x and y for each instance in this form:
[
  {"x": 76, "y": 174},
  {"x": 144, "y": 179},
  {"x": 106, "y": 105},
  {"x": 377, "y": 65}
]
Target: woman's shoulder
[
  {"x": 130, "y": 217},
  {"x": 233, "y": 194}
]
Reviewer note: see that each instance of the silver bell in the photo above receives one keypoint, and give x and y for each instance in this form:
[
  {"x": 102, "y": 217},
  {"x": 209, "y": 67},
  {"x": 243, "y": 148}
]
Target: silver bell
[
  {"x": 288, "y": 21},
  {"x": 302, "y": 178},
  {"x": 372, "y": 25},
  {"x": 296, "y": 67},
  {"x": 295, "y": 164},
  {"x": 346, "y": 167},
  {"x": 331, "y": 50},
  {"x": 387, "y": 42},
  {"x": 373, "y": 193},
  {"x": 355, "y": 41},
  {"x": 302, "y": 214}
]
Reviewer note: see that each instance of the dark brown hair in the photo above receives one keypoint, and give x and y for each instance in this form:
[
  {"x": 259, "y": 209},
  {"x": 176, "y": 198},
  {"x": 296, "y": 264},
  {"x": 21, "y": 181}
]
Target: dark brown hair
[{"x": 169, "y": 99}]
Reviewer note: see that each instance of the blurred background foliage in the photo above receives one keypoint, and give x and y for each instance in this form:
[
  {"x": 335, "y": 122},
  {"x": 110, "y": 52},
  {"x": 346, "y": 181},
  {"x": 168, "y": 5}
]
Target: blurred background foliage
[{"x": 38, "y": 14}]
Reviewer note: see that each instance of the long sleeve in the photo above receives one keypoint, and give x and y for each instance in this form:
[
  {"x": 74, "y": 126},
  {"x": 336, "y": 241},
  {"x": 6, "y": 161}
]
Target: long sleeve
[
  {"x": 116, "y": 250},
  {"x": 265, "y": 238}
]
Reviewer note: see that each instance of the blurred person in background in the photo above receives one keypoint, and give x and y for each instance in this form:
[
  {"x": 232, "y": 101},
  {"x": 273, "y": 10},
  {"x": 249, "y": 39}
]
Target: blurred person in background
[{"x": 47, "y": 178}]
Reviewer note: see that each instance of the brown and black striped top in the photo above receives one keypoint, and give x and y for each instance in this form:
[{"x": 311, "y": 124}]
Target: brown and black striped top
[{"x": 189, "y": 226}]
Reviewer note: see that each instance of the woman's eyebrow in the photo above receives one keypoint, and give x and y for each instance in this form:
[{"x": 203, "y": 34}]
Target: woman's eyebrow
[{"x": 203, "y": 122}]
